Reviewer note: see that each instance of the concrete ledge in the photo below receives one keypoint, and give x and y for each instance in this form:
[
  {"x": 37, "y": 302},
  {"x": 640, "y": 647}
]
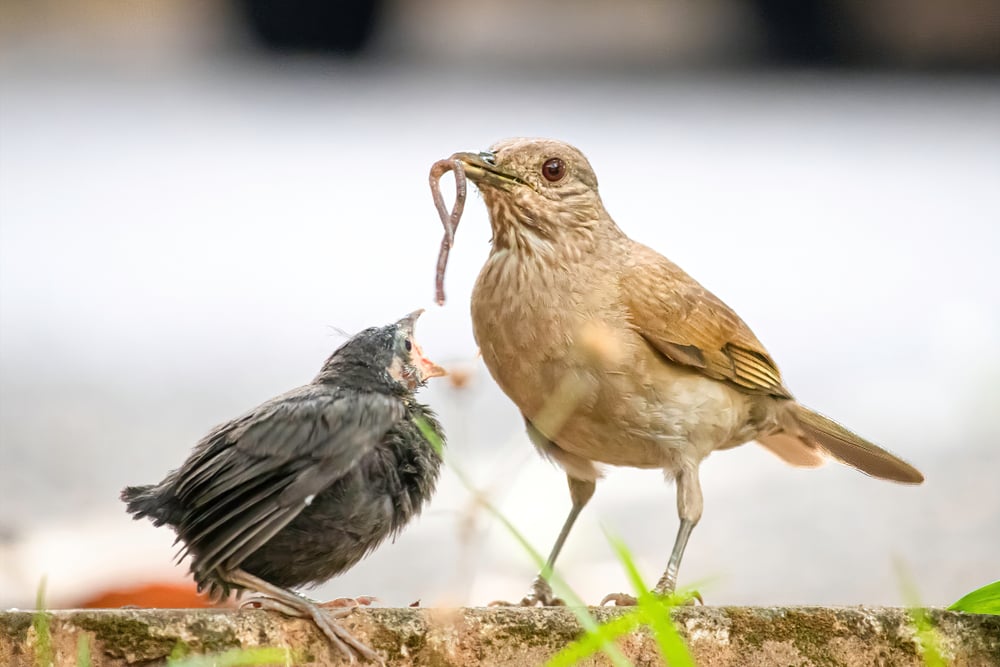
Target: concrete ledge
[{"x": 728, "y": 636}]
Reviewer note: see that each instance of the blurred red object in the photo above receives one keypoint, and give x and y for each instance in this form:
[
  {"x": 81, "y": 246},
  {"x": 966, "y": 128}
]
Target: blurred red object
[{"x": 154, "y": 595}]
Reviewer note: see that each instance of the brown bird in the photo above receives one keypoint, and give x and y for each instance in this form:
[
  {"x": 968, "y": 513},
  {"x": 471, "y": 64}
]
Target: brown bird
[{"x": 615, "y": 355}]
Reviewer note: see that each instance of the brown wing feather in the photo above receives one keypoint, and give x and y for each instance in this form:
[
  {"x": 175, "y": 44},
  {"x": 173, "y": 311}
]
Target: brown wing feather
[{"x": 691, "y": 326}]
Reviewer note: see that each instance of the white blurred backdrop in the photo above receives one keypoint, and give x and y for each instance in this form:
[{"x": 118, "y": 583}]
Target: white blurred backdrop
[{"x": 182, "y": 235}]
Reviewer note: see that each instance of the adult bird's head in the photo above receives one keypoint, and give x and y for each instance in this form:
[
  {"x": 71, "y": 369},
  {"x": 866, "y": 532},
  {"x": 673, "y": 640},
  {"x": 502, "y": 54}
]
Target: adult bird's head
[
  {"x": 539, "y": 193},
  {"x": 387, "y": 356}
]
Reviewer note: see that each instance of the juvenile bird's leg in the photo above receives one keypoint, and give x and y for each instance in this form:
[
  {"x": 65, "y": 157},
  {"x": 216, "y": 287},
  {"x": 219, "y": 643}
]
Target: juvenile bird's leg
[
  {"x": 690, "y": 504},
  {"x": 275, "y": 598}
]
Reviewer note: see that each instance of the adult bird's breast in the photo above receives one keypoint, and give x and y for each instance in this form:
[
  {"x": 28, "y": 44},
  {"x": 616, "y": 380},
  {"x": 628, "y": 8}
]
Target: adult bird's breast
[
  {"x": 525, "y": 310},
  {"x": 557, "y": 341}
]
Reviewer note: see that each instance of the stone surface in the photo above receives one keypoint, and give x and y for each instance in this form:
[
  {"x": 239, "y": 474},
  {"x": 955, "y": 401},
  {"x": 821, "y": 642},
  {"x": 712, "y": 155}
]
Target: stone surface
[{"x": 729, "y": 636}]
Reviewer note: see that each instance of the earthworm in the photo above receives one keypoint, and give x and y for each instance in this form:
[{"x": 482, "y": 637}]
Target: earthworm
[{"x": 449, "y": 220}]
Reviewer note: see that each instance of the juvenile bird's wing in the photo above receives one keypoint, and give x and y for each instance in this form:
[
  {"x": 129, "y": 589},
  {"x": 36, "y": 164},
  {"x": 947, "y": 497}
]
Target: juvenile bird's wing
[
  {"x": 691, "y": 326},
  {"x": 252, "y": 476}
]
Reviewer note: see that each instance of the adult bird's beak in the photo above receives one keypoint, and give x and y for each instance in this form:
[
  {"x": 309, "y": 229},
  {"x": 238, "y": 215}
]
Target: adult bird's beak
[{"x": 481, "y": 169}]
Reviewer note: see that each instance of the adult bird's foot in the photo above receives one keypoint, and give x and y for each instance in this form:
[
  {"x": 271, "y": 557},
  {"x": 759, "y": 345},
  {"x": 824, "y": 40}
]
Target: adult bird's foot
[
  {"x": 325, "y": 620},
  {"x": 620, "y": 600},
  {"x": 684, "y": 598},
  {"x": 540, "y": 595},
  {"x": 626, "y": 600}
]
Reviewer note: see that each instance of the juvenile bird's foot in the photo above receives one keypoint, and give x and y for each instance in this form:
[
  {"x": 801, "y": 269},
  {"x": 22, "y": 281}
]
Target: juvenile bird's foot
[
  {"x": 540, "y": 595},
  {"x": 325, "y": 620},
  {"x": 267, "y": 603},
  {"x": 275, "y": 598},
  {"x": 360, "y": 601}
]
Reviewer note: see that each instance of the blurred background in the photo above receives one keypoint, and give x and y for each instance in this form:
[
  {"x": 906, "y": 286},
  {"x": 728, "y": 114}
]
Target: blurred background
[{"x": 197, "y": 198}]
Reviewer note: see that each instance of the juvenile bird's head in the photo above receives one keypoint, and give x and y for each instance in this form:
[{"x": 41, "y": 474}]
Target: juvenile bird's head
[
  {"x": 386, "y": 355},
  {"x": 539, "y": 193}
]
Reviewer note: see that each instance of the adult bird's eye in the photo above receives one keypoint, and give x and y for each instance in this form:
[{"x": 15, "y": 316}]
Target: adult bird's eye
[
  {"x": 553, "y": 169},
  {"x": 408, "y": 344}
]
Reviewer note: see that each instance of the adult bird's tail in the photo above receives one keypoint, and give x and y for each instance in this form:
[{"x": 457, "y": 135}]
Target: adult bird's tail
[
  {"x": 852, "y": 449},
  {"x": 152, "y": 501}
]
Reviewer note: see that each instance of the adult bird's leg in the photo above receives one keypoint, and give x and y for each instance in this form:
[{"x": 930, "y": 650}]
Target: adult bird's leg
[
  {"x": 580, "y": 491},
  {"x": 690, "y": 504},
  {"x": 275, "y": 598}
]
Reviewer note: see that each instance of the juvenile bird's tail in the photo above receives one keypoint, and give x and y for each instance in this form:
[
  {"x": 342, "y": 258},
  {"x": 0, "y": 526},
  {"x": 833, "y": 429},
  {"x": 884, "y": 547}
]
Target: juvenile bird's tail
[
  {"x": 852, "y": 449},
  {"x": 152, "y": 501}
]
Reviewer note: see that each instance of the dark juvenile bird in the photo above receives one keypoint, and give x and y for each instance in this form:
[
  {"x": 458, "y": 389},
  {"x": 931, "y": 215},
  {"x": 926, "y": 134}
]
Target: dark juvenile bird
[
  {"x": 615, "y": 355},
  {"x": 305, "y": 485}
]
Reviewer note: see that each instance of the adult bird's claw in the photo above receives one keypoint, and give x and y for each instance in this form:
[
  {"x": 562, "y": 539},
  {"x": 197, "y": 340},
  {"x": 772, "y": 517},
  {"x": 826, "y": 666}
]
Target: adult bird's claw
[
  {"x": 692, "y": 596},
  {"x": 540, "y": 595},
  {"x": 626, "y": 600},
  {"x": 684, "y": 599},
  {"x": 620, "y": 600}
]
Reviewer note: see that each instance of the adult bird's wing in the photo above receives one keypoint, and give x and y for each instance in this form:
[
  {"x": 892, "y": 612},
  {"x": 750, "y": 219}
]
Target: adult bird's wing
[
  {"x": 252, "y": 476},
  {"x": 691, "y": 326}
]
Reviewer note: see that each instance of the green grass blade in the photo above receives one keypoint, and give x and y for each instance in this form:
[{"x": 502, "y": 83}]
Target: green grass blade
[
  {"x": 923, "y": 627},
  {"x": 656, "y": 614},
  {"x": 985, "y": 600},
  {"x": 631, "y": 569},
  {"x": 573, "y": 601},
  {"x": 83, "y": 651},
  {"x": 431, "y": 435},
  {"x": 593, "y": 642},
  {"x": 237, "y": 658},
  {"x": 40, "y": 622},
  {"x": 654, "y": 611}
]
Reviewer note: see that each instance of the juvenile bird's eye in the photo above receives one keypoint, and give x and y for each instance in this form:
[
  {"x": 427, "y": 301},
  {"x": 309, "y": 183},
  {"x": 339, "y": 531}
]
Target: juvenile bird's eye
[
  {"x": 553, "y": 169},
  {"x": 408, "y": 344}
]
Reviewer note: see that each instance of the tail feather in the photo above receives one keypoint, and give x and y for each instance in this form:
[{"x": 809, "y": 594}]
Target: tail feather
[
  {"x": 852, "y": 449},
  {"x": 793, "y": 450},
  {"x": 152, "y": 501}
]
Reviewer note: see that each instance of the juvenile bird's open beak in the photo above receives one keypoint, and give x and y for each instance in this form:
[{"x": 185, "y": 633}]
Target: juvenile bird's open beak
[
  {"x": 481, "y": 169},
  {"x": 411, "y": 320},
  {"x": 426, "y": 367}
]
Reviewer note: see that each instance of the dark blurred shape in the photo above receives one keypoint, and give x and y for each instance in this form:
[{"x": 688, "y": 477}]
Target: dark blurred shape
[
  {"x": 803, "y": 33},
  {"x": 339, "y": 26},
  {"x": 897, "y": 34},
  {"x": 637, "y": 35}
]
